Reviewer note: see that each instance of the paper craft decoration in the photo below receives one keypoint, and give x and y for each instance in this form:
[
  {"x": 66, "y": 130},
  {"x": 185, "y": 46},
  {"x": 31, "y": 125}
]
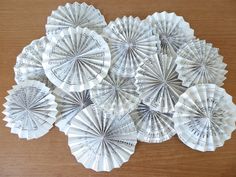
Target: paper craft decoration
[
  {"x": 158, "y": 84},
  {"x": 29, "y": 63},
  {"x": 172, "y": 30},
  {"x": 204, "y": 117},
  {"x": 107, "y": 86},
  {"x": 74, "y": 15},
  {"x": 115, "y": 94},
  {"x": 69, "y": 105},
  {"x": 76, "y": 59},
  {"x": 152, "y": 126},
  {"x": 101, "y": 141},
  {"x": 198, "y": 63},
  {"x": 130, "y": 41},
  {"x": 30, "y": 109}
]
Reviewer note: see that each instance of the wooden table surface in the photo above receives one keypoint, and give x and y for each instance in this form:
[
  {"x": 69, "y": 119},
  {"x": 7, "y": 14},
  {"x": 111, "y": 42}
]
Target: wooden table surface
[{"x": 22, "y": 21}]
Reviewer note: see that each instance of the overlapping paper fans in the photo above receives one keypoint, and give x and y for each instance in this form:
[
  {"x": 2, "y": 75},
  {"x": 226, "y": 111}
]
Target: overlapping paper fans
[{"x": 107, "y": 86}]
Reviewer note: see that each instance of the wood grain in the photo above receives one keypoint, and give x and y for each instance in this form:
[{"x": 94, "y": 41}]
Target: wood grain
[{"x": 24, "y": 20}]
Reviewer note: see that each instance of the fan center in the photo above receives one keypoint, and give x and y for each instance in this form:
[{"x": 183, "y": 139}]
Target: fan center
[
  {"x": 116, "y": 88},
  {"x": 165, "y": 83},
  {"x": 102, "y": 136},
  {"x": 164, "y": 39},
  {"x": 203, "y": 66},
  {"x": 129, "y": 46}
]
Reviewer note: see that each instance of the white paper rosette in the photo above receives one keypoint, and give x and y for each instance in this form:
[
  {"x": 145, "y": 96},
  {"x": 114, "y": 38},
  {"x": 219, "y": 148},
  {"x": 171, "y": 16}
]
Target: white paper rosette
[
  {"x": 204, "y": 117},
  {"x": 77, "y": 59},
  {"x": 115, "y": 94},
  {"x": 152, "y": 126},
  {"x": 101, "y": 141},
  {"x": 29, "y": 63},
  {"x": 173, "y": 31},
  {"x": 30, "y": 109},
  {"x": 198, "y": 63},
  {"x": 69, "y": 105},
  {"x": 73, "y": 15},
  {"x": 158, "y": 84},
  {"x": 130, "y": 41}
]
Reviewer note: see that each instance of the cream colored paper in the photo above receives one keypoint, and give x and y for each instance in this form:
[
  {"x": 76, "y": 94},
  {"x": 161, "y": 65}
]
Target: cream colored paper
[
  {"x": 204, "y": 117},
  {"x": 152, "y": 126},
  {"x": 76, "y": 59},
  {"x": 30, "y": 109},
  {"x": 115, "y": 94},
  {"x": 158, "y": 84},
  {"x": 74, "y": 15},
  {"x": 101, "y": 141},
  {"x": 69, "y": 105},
  {"x": 29, "y": 63},
  {"x": 199, "y": 62},
  {"x": 130, "y": 41},
  {"x": 172, "y": 30}
]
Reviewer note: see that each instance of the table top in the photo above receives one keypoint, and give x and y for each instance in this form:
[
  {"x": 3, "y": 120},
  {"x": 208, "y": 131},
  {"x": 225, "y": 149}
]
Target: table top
[{"x": 23, "y": 21}]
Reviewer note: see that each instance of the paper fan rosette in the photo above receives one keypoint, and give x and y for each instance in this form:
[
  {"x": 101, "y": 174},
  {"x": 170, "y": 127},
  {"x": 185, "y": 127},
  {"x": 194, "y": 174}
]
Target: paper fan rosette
[
  {"x": 152, "y": 126},
  {"x": 204, "y": 117},
  {"x": 158, "y": 84},
  {"x": 74, "y": 15},
  {"x": 69, "y": 105},
  {"x": 130, "y": 41},
  {"x": 76, "y": 59},
  {"x": 199, "y": 62},
  {"x": 172, "y": 30},
  {"x": 29, "y": 63},
  {"x": 115, "y": 94},
  {"x": 101, "y": 141},
  {"x": 30, "y": 109}
]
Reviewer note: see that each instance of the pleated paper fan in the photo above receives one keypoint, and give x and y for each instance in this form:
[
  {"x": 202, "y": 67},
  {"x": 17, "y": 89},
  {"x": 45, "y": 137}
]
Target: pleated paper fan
[
  {"x": 204, "y": 117},
  {"x": 115, "y": 94},
  {"x": 76, "y": 59},
  {"x": 199, "y": 62},
  {"x": 69, "y": 105},
  {"x": 101, "y": 141},
  {"x": 152, "y": 126},
  {"x": 30, "y": 109},
  {"x": 172, "y": 30},
  {"x": 29, "y": 63},
  {"x": 158, "y": 84},
  {"x": 130, "y": 41},
  {"x": 74, "y": 15},
  {"x": 108, "y": 86}
]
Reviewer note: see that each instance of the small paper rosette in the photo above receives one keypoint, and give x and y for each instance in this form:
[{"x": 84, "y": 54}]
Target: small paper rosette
[
  {"x": 30, "y": 109},
  {"x": 101, "y": 141},
  {"x": 158, "y": 84},
  {"x": 152, "y": 126},
  {"x": 74, "y": 15},
  {"x": 69, "y": 105},
  {"x": 29, "y": 63},
  {"x": 77, "y": 59},
  {"x": 115, "y": 94},
  {"x": 198, "y": 63},
  {"x": 130, "y": 41},
  {"x": 173, "y": 31},
  {"x": 204, "y": 117}
]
